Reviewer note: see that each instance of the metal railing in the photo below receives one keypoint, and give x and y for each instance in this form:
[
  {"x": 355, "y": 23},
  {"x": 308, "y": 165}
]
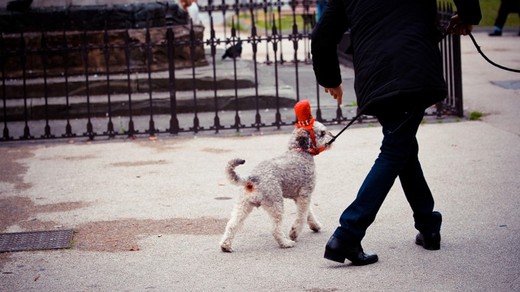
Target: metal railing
[{"x": 113, "y": 85}]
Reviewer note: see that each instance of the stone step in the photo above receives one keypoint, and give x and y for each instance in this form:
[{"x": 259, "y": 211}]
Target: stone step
[
  {"x": 161, "y": 103},
  {"x": 214, "y": 90}
]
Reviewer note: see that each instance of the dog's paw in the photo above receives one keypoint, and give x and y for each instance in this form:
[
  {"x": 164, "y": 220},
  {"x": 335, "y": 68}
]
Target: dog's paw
[
  {"x": 226, "y": 247},
  {"x": 293, "y": 234},
  {"x": 315, "y": 226},
  {"x": 287, "y": 243}
]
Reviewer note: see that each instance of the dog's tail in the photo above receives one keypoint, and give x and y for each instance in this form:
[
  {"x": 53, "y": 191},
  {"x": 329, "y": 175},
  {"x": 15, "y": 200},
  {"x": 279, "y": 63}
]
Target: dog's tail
[
  {"x": 249, "y": 184},
  {"x": 232, "y": 175}
]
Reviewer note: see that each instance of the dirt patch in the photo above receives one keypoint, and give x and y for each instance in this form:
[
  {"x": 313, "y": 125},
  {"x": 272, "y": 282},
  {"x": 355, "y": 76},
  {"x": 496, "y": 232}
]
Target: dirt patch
[
  {"x": 216, "y": 150},
  {"x": 123, "y": 235},
  {"x": 105, "y": 236},
  {"x": 70, "y": 158},
  {"x": 168, "y": 145},
  {"x": 4, "y": 258},
  {"x": 19, "y": 210},
  {"x": 321, "y": 290},
  {"x": 60, "y": 207},
  {"x": 12, "y": 171},
  {"x": 161, "y": 146},
  {"x": 138, "y": 163}
]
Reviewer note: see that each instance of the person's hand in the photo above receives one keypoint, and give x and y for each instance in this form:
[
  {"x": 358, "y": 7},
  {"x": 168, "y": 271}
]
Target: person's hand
[
  {"x": 336, "y": 92},
  {"x": 456, "y": 26}
]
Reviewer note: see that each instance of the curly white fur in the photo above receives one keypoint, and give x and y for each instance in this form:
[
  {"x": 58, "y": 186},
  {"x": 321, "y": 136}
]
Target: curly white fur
[{"x": 291, "y": 176}]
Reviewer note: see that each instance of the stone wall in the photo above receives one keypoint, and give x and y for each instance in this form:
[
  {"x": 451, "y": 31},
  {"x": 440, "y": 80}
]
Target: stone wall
[
  {"x": 93, "y": 17},
  {"x": 81, "y": 38}
]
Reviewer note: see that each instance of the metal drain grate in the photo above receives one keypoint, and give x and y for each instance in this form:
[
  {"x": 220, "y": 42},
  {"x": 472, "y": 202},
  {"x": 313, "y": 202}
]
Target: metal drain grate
[{"x": 37, "y": 240}]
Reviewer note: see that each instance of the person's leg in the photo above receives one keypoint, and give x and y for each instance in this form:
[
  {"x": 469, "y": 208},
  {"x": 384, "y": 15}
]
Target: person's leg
[
  {"x": 398, "y": 147},
  {"x": 503, "y": 12},
  {"x": 418, "y": 194},
  {"x": 505, "y": 8},
  {"x": 517, "y": 10}
]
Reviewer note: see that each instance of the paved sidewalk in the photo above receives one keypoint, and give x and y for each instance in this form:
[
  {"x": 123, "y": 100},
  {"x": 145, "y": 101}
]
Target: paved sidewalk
[{"x": 149, "y": 214}]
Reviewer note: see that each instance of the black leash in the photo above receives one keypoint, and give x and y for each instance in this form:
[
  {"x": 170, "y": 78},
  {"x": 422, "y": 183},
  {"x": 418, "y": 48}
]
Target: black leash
[
  {"x": 488, "y": 60},
  {"x": 444, "y": 35},
  {"x": 346, "y": 127}
]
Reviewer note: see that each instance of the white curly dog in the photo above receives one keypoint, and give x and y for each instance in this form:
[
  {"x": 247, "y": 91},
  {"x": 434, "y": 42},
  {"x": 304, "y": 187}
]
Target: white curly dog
[{"x": 291, "y": 176}]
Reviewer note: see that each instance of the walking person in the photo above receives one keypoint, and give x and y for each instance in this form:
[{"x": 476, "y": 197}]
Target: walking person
[
  {"x": 321, "y": 5},
  {"x": 398, "y": 74},
  {"x": 506, "y": 7},
  {"x": 192, "y": 8}
]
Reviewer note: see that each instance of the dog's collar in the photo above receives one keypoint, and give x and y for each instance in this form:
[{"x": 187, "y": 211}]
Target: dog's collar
[
  {"x": 312, "y": 151},
  {"x": 308, "y": 125},
  {"x": 305, "y": 124},
  {"x": 316, "y": 151}
]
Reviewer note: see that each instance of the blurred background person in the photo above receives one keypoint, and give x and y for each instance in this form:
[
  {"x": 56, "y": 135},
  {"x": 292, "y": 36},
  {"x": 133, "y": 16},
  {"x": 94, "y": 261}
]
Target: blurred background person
[{"x": 506, "y": 7}]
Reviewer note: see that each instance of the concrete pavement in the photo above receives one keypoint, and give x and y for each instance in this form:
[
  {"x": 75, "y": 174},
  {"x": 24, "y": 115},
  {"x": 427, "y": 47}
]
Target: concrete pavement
[{"x": 148, "y": 214}]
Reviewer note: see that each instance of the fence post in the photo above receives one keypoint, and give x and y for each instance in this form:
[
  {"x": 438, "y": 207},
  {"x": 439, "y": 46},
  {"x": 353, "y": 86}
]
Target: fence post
[
  {"x": 85, "y": 52},
  {"x": 106, "y": 53},
  {"x": 23, "y": 59},
  {"x": 275, "y": 39},
  {"x": 3, "y": 61},
  {"x": 266, "y": 24},
  {"x": 174, "y": 122},
  {"x": 43, "y": 54},
  {"x": 196, "y": 123},
  {"x": 213, "y": 42},
  {"x": 65, "y": 56},
  {"x": 149, "y": 59},
  {"x": 457, "y": 78},
  {"x": 131, "y": 129},
  {"x": 235, "y": 41},
  {"x": 294, "y": 37}
]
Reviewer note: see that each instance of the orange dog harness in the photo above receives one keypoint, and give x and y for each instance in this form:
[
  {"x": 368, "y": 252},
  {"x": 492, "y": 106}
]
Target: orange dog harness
[{"x": 302, "y": 109}]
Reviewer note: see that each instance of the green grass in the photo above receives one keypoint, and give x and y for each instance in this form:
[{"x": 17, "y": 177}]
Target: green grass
[
  {"x": 489, "y": 10},
  {"x": 475, "y": 116},
  {"x": 245, "y": 24}
]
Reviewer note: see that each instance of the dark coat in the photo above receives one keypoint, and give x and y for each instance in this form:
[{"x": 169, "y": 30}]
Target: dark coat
[{"x": 396, "y": 56}]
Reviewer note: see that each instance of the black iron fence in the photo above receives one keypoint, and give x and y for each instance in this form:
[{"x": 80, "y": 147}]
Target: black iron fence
[{"x": 170, "y": 77}]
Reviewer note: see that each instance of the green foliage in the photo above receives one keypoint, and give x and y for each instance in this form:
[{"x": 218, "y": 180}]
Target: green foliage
[
  {"x": 261, "y": 20},
  {"x": 489, "y": 13},
  {"x": 489, "y": 10}
]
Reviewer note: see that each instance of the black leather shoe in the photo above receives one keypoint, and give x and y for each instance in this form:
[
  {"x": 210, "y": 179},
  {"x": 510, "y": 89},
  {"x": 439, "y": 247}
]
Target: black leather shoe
[
  {"x": 338, "y": 250},
  {"x": 429, "y": 241},
  {"x": 496, "y": 33}
]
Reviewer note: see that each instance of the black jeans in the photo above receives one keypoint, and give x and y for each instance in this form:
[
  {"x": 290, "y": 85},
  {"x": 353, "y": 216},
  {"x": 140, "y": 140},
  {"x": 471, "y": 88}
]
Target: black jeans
[
  {"x": 398, "y": 158},
  {"x": 506, "y": 7}
]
